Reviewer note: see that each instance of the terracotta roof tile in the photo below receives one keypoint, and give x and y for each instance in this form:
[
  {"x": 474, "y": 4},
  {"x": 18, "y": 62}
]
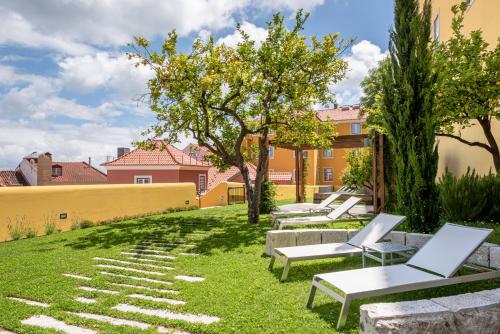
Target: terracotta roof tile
[
  {"x": 78, "y": 173},
  {"x": 163, "y": 154},
  {"x": 11, "y": 178},
  {"x": 340, "y": 114}
]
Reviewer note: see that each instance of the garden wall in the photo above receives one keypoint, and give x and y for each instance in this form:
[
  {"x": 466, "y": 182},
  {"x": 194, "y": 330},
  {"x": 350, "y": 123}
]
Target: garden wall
[
  {"x": 286, "y": 191},
  {"x": 33, "y": 208},
  {"x": 218, "y": 195}
]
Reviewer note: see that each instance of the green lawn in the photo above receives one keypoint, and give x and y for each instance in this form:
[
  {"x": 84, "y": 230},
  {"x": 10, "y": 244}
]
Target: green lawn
[{"x": 238, "y": 288}]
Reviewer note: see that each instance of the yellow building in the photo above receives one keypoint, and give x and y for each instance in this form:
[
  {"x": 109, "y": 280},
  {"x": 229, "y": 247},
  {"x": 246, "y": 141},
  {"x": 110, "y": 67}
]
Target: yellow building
[
  {"x": 483, "y": 15},
  {"x": 324, "y": 167}
]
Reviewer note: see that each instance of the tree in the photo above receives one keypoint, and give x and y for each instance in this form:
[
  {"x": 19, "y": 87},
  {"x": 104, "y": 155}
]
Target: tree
[
  {"x": 468, "y": 86},
  {"x": 219, "y": 94},
  {"x": 358, "y": 172},
  {"x": 408, "y": 114}
]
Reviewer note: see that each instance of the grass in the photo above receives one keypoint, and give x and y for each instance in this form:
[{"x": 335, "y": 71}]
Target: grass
[{"x": 238, "y": 288}]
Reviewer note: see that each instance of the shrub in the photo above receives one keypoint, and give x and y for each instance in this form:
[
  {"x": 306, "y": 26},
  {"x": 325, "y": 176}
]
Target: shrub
[
  {"x": 74, "y": 226},
  {"x": 86, "y": 224},
  {"x": 470, "y": 197},
  {"x": 30, "y": 233},
  {"x": 17, "y": 227},
  {"x": 267, "y": 197},
  {"x": 50, "y": 225}
]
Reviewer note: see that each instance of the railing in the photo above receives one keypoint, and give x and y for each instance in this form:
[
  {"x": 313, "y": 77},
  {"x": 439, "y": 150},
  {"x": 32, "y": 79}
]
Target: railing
[{"x": 236, "y": 195}]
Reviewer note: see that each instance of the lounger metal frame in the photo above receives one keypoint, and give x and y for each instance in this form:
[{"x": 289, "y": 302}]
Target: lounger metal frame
[
  {"x": 346, "y": 299},
  {"x": 356, "y": 250}
]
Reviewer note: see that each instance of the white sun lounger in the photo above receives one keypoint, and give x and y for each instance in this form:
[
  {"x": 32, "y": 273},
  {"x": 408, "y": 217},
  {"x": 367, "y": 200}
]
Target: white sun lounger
[
  {"x": 433, "y": 265},
  {"x": 305, "y": 208},
  {"x": 342, "y": 210},
  {"x": 376, "y": 230}
]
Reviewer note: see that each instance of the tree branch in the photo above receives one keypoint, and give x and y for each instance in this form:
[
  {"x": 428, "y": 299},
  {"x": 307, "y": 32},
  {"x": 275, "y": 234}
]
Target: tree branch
[{"x": 464, "y": 141}]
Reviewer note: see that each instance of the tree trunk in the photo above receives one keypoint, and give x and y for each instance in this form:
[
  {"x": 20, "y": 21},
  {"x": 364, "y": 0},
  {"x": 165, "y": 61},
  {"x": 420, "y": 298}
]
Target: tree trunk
[{"x": 486, "y": 125}]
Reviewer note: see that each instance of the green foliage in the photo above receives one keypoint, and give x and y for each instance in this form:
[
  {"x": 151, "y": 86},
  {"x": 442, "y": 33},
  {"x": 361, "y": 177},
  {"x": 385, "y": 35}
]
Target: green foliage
[
  {"x": 268, "y": 197},
  {"x": 359, "y": 169},
  {"x": 407, "y": 114},
  {"x": 50, "y": 225},
  {"x": 470, "y": 197},
  {"x": 18, "y": 227},
  {"x": 30, "y": 233},
  {"x": 468, "y": 83},
  {"x": 86, "y": 224},
  {"x": 219, "y": 95}
]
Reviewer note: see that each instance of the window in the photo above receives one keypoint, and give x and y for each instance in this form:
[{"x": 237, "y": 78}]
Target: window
[
  {"x": 328, "y": 153},
  {"x": 355, "y": 128},
  {"x": 143, "y": 179},
  {"x": 305, "y": 154},
  {"x": 202, "y": 183},
  {"x": 271, "y": 152},
  {"x": 436, "y": 27},
  {"x": 327, "y": 174},
  {"x": 56, "y": 170}
]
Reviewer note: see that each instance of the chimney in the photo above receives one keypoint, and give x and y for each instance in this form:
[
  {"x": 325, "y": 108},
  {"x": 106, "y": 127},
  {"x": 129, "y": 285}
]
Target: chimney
[
  {"x": 44, "y": 169},
  {"x": 122, "y": 151},
  {"x": 90, "y": 161}
]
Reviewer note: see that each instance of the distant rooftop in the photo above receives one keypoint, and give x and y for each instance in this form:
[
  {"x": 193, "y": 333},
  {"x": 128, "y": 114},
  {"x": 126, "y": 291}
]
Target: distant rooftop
[{"x": 340, "y": 114}]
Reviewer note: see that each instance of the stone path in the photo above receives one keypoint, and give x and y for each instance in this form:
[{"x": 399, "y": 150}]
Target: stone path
[{"x": 144, "y": 261}]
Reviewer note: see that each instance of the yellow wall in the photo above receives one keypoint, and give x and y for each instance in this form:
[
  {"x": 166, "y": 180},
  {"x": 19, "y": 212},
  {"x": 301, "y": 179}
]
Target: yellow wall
[
  {"x": 483, "y": 15},
  {"x": 218, "y": 195},
  {"x": 35, "y": 207},
  {"x": 288, "y": 192}
]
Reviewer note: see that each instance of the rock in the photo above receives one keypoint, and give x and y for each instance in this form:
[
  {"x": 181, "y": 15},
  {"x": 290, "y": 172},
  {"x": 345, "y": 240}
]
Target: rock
[
  {"x": 417, "y": 239},
  {"x": 308, "y": 237},
  {"x": 473, "y": 313},
  {"x": 280, "y": 238},
  {"x": 421, "y": 316},
  {"x": 351, "y": 233},
  {"x": 482, "y": 256},
  {"x": 397, "y": 237},
  {"x": 495, "y": 257},
  {"x": 333, "y": 236}
]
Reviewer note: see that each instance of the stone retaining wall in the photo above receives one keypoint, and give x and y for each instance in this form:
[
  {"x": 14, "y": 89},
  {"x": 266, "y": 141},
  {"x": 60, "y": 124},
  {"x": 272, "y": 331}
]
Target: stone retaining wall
[
  {"x": 488, "y": 255},
  {"x": 477, "y": 312}
]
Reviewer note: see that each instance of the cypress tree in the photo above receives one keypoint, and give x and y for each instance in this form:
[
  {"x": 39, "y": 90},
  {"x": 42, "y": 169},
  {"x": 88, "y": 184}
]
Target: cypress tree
[{"x": 407, "y": 112}]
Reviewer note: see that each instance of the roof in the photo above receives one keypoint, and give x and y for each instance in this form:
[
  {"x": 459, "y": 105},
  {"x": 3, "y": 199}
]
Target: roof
[
  {"x": 196, "y": 151},
  {"x": 162, "y": 155},
  {"x": 78, "y": 173},
  {"x": 11, "y": 178},
  {"x": 352, "y": 113}
]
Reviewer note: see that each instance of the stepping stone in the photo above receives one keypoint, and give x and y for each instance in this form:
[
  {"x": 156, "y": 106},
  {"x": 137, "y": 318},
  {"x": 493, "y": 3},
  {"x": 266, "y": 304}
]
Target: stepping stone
[
  {"x": 189, "y": 254},
  {"x": 91, "y": 289},
  {"x": 137, "y": 278},
  {"x": 166, "y": 330},
  {"x": 134, "y": 263},
  {"x": 189, "y": 278},
  {"x": 113, "y": 321},
  {"x": 150, "y": 255},
  {"x": 85, "y": 278},
  {"x": 143, "y": 250},
  {"x": 44, "y": 321},
  {"x": 110, "y": 266},
  {"x": 141, "y": 287},
  {"x": 4, "y": 331},
  {"x": 157, "y": 299},
  {"x": 86, "y": 300},
  {"x": 29, "y": 302},
  {"x": 165, "y": 314},
  {"x": 149, "y": 260}
]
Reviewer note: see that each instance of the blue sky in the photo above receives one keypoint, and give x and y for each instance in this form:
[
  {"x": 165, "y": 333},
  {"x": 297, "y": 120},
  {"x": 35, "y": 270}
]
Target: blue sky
[{"x": 67, "y": 87}]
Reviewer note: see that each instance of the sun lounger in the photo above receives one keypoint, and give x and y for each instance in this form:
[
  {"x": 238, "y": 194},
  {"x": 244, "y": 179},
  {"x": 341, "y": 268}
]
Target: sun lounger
[
  {"x": 376, "y": 230},
  {"x": 342, "y": 210},
  {"x": 434, "y": 265},
  {"x": 305, "y": 208}
]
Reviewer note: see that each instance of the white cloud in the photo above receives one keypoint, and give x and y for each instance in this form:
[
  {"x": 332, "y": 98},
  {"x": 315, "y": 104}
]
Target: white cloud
[
  {"x": 66, "y": 142},
  {"x": 256, "y": 34},
  {"x": 114, "y": 22},
  {"x": 365, "y": 56},
  {"x": 114, "y": 73},
  {"x": 16, "y": 30},
  {"x": 290, "y": 4}
]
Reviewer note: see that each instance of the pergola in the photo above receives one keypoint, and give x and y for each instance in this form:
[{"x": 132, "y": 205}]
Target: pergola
[{"x": 345, "y": 141}]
